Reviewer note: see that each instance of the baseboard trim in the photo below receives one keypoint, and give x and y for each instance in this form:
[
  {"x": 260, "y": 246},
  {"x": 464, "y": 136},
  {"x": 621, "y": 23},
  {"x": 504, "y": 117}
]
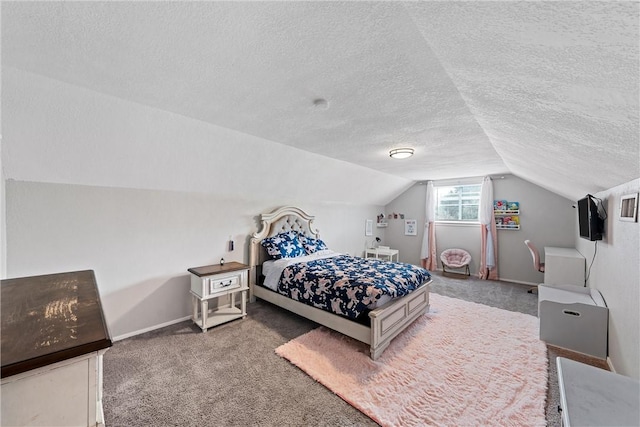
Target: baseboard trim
[
  {"x": 519, "y": 282},
  {"x": 610, "y": 363},
  {"x": 149, "y": 329}
]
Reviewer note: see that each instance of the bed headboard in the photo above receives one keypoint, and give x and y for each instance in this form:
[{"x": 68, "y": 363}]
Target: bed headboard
[{"x": 286, "y": 218}]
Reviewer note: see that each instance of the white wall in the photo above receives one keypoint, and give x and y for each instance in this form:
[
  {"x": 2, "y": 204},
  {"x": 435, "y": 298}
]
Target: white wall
[
  {"x": 56, "y": 132},
  {"x": 140, "y": 243},
  {"x": 615, "y": 272},
  {"x": 139, "y": 195},
  {"x": 546, "y": 219},
  {"x": 3, "y": 222}
]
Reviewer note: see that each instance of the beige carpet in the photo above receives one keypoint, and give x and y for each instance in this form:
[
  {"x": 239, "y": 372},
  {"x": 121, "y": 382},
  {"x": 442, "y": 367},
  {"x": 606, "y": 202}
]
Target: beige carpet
[{"x": 460, "y": 364}]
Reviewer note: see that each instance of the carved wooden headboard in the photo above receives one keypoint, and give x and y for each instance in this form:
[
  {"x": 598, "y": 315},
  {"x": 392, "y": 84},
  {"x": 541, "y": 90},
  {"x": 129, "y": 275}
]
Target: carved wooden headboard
[{"x": 286, "y": 218}]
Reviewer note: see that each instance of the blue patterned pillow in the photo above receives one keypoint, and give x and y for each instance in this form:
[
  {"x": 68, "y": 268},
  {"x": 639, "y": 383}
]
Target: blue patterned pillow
[
  {"x": 284, "y": 245},
  {"x": 312, "y": 245}
]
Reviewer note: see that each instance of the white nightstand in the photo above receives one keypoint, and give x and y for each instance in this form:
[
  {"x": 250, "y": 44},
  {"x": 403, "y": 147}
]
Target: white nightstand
[
  {"x": 381, "y": 252},
  {"x": 215, "y": 281}
]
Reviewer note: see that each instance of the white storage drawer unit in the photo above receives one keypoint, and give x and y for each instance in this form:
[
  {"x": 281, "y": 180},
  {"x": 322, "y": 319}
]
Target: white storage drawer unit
[{"x": 575, "y": 318}]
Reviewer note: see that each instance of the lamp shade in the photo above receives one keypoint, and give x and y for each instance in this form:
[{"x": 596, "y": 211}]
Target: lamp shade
[{"x": 401, "y": 153}]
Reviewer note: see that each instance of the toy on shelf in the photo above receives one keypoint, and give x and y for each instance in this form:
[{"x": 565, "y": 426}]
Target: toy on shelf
[
  {"x": 504, "y": 207},
  {"x": 499, "y": 205}
]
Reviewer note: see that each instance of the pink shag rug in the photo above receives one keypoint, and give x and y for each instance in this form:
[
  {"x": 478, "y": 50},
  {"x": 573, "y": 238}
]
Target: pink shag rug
[{"x": 462, "y": 364}]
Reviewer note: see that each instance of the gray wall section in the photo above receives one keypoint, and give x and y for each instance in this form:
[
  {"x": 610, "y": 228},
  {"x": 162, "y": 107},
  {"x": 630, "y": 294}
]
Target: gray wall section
[
  {"x": 549, "y": 220},
  {"x": 140, "y": 243},
  {"x": 546, "y": 219},
  {"x": 615, "y": 272},
  {"x": 3, "y": 222}
]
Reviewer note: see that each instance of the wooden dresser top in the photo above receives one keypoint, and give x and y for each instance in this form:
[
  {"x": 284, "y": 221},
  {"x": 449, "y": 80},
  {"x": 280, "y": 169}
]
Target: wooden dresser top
[{"x": 50, "y": 318}]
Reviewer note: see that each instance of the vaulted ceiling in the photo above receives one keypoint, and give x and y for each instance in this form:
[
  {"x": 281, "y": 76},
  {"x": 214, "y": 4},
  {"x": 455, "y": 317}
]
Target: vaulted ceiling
[{"x": 548, "y": 91}]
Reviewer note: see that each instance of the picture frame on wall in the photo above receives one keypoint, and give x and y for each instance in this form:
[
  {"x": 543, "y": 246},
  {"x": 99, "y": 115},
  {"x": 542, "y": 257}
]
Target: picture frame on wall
[
  {"x": 368, "y": 227},
  {"x": 629, "y": 207},
  {"x": 410, "y": 227}
]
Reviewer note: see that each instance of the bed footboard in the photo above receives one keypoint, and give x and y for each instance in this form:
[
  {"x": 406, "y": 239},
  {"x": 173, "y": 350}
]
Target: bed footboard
[{"x": 392, "y": 318}]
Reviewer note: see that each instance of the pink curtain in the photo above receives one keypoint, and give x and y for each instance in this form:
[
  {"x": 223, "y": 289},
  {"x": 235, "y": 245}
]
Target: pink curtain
[
  {"x": 489, "y": 237},
  {"x": 489, "y": 244},
  {"x": 430, "y": 262},
  {"x": 428, "y": 250}
]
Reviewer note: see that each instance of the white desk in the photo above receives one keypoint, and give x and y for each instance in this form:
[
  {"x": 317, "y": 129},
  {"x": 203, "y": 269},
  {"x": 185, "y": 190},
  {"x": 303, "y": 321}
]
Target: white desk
[
  {"x": 563, "y": 266},
  {"x": 382, "y": 252},
  {"x": 591, "y": 396}
]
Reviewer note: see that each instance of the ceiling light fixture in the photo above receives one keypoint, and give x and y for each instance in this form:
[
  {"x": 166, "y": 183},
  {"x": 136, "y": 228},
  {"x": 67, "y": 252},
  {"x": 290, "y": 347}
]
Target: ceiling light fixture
[{"x": 401, "y": 153}]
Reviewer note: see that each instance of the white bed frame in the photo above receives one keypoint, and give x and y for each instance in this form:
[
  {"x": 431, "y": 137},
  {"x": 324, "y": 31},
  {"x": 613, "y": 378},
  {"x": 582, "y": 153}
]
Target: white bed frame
[{"x": 387, "y": 321}]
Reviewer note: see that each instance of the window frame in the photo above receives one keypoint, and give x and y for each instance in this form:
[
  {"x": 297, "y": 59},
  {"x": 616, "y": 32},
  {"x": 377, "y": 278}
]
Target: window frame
[{"x": 449, "y": 184}]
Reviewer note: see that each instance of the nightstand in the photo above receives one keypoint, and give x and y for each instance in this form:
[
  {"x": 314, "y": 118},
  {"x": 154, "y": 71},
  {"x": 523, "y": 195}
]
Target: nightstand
[{"x": 215, "y": 281}]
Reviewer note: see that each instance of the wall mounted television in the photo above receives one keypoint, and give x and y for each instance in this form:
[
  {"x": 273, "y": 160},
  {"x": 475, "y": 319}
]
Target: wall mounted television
[{"x": 590, "y": 223}]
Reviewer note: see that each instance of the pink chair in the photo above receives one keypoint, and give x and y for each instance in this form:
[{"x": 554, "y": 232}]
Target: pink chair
[
  {"x": 455, "y": 258},
  {"x": 536, "y": 261}
]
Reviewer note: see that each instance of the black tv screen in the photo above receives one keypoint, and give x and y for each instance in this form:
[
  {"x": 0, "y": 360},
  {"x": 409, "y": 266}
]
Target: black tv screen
[{"x": 589, "y": 221}]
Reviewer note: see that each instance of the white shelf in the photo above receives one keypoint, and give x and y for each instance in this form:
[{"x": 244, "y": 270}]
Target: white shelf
[
  {"x": 507, "y": 227},
  {"x": 505, "y": 213},
  {"x": 220, "y": 316},
  {"x": 501, "y": 214},
  {"x": 381, "y": 224}
]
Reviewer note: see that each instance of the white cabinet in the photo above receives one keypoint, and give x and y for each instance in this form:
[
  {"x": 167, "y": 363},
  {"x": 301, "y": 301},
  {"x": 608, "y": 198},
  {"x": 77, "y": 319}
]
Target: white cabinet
[
  {"x": 574, "y": 317},
  {"x": 563, "y": 266},
  {"x": 213, "y": 282}
]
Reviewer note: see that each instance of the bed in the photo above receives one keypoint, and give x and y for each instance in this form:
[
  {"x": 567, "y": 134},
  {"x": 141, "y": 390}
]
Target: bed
[{"x": 385, "y": 321}]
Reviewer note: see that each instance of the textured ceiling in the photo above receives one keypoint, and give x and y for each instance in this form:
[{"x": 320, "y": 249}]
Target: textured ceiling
[{"x": 547, "y": 91}]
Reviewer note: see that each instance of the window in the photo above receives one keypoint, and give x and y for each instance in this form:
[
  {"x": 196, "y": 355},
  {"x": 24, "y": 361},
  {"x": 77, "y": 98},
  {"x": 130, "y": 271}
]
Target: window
[{"x": 458, "y": 203}]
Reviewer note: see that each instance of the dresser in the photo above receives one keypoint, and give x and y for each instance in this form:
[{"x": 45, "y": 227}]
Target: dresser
[{"x": 54, "y": 336}]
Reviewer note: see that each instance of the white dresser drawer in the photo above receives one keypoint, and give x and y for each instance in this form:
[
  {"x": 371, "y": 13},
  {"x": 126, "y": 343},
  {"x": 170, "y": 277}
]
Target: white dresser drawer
[{"x": 218, "y": 284}]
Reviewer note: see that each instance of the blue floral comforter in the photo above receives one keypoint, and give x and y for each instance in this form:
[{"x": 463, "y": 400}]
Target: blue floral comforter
[{"x": 346, "y": 285}]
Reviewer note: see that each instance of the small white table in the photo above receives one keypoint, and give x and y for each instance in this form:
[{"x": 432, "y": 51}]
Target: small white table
[
  {"x": 563, "y": 266},
  {"x": 380, "y": 253},
  {"x": 591, "y": 396}
]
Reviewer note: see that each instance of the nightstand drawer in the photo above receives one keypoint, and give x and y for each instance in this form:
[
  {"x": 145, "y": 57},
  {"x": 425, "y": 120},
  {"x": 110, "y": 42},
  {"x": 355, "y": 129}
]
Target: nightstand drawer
[
  {"x": 213, "y": 283},
  {"x": 217, "y": 284}
]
